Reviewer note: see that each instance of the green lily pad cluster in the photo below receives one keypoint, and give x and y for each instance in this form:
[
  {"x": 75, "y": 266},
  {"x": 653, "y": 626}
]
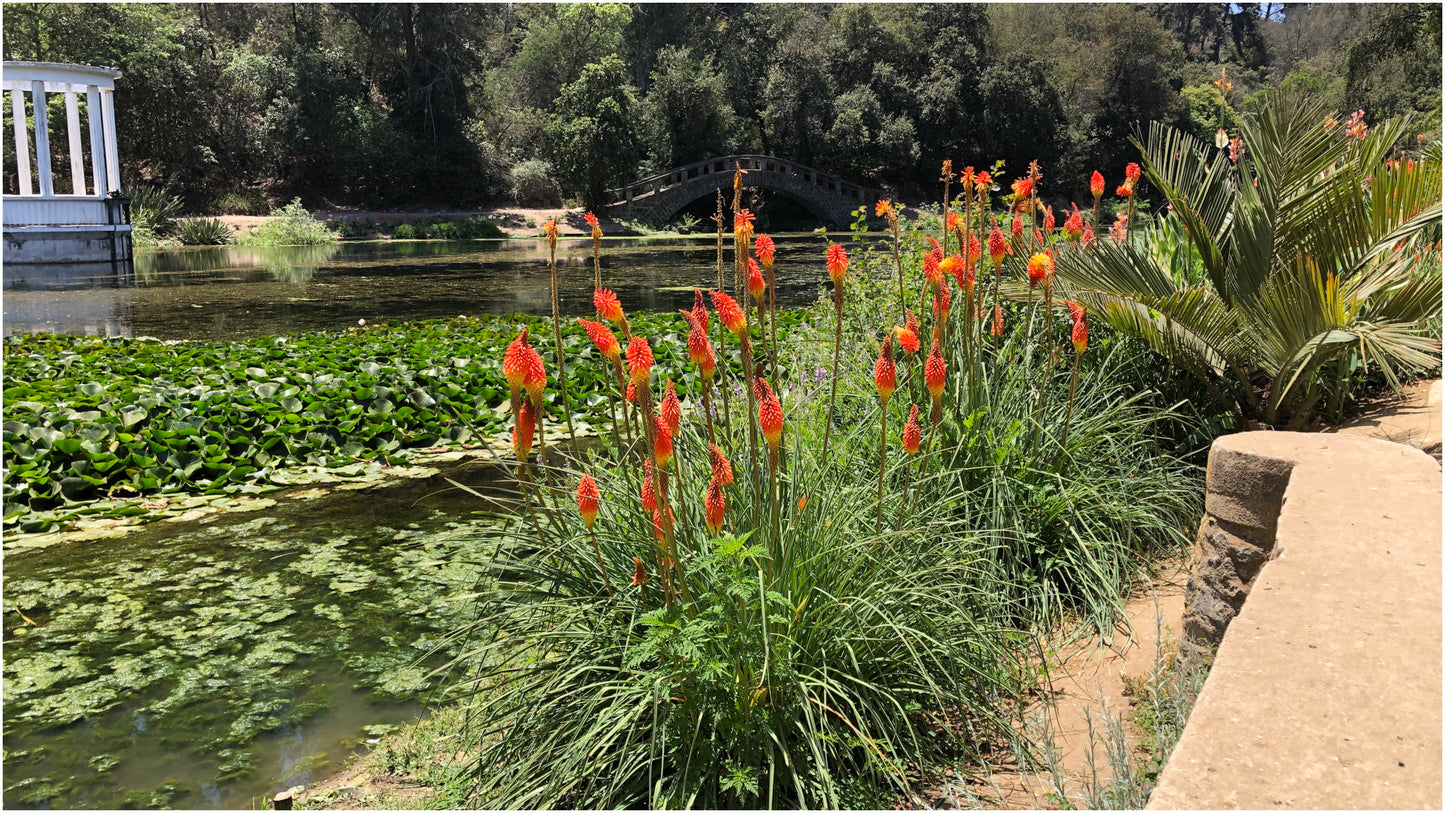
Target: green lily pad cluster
[{"x": 90, "y": 419}]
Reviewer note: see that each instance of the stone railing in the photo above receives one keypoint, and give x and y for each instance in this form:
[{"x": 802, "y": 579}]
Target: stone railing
[
  {"x": 756, "y": 167},
  {"x": 1318, "y": 572}
]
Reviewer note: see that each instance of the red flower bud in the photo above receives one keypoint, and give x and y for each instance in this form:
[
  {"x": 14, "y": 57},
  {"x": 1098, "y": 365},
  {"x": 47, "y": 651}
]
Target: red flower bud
[
  {"x": 912, "y": 432},
  {"x": 587, "y": 497}
]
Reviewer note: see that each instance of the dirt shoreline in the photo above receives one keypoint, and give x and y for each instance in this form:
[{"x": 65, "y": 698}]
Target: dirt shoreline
[{"x": 514, "y": 221}]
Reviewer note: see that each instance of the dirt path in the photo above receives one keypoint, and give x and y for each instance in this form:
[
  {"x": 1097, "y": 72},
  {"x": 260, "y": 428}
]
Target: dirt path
[{"x": 1089, "y": 681}]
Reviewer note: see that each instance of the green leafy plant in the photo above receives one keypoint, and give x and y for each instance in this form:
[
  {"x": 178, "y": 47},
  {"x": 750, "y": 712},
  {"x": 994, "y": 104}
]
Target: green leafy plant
[
  {"x": 408, "y": 231},
  {"x": 291, "y": 225},
  {"x": 246, "y": 202},
  {"x": 154, "y": 209},
  {"x": 203, "y": 232},
  {"x": 1315, "y": 246}
]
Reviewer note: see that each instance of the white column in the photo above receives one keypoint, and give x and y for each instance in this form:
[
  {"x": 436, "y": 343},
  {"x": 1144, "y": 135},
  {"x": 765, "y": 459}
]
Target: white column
[
  {"x": 77, "y": 158},
  {"x": 42, "y": 139},
  {"x": 22, "y": 141},
  {"x": 112, "y": 155},
  {"x": 97, "y": 139}
]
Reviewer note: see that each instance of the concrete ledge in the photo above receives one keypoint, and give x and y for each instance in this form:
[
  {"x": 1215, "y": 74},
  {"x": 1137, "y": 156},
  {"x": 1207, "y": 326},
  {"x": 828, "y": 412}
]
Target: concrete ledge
[{"x": 1326, "y": 689}]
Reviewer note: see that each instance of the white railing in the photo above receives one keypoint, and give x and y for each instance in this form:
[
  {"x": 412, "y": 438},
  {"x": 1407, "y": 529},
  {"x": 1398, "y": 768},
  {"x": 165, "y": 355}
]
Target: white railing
[{"x": 38, "y": 79}]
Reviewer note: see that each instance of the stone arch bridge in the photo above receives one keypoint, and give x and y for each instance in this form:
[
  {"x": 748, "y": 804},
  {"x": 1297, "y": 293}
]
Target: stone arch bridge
[{"x": 657, "y": 198}]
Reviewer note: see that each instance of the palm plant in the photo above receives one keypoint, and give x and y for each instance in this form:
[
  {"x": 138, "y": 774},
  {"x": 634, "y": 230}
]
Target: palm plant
[{"x": 1309, "y": 246}]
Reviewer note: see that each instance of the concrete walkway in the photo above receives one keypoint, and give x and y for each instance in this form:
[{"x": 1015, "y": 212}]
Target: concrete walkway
[
  {"x": 1326, "y": 690},
  {"x": 1413, "y": 419}
]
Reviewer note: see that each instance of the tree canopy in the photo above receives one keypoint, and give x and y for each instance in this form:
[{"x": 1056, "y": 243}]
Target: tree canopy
[{"x": 401, "y": 103}]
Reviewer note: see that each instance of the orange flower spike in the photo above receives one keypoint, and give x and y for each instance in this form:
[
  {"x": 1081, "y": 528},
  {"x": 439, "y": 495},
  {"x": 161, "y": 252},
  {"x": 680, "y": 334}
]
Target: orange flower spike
[
  {"x": 1074, "y": 225},
  {"x": 1017, "y": 228},
  {"x": 639, "y": 360},
  {"x": 596, "y": 226},
  {"x": 699, "y": 348},
  {"x": 975, "y": 250},
  {"x": 524, "y": 430},
  {"x": 602, "y": 337},
  {"x": 954, "y": 221},
  {"x": 1096, "y": 184},
  {"x": 1023, "y": 188},
  {"x": 1049, "y": 220},
  {"x": 1132, "y": 172},
  {"x": 837, "y": 263},
  {"x": 743, "y": 225},
  {"x": 722, "y": 470},
  {"x": 699, "y": 309},
  {"x": 662, "y": 437},
  {"x": 1124, "y": 191},
  {"x": 882, "y": 208},
  {"x": 757, "y": 286},
  {"x": 671, "y": 409},
  {"x": 935, "y": 250},
  {"x": 1080, "y": 336},
  {"x": 997, "y": 246},
  {"x": 534, "y": 375},
  {"x": 714, "y": 506},
  {"x": 770, "y": 415},
  {"x": 885, "y": 373},
  {"x": 731, "y": 315},
  {"x": 952, "y": 265},
  {"x": 932, "y": 271},
  {"x": 1088, "y": 239},
  {"x": 550, "y": 227},
  {"x": 649, "y": 487},
  {"x": 587, "y": 497},
  {"x": 631, "y": 393},
  {"x": 1041, "y": 267},
  {"x": 514, "y": 367},
  {"x": 764, "y": 248},
  {"x": 907, "y": 339},
  {"x": 912, "y": 433},
  {"x": 639, "y": 573},
  {"x": 1076, "y": 311},
  {"x": 997, "y": 329},
  {"x": 935, "y": 371},
  {"x": 941, "y": 302},
  {"x": 657, "y": 530},
  {"x": 982, "y": 183},
  {"x": 910, "y": 321},
  {"x": 607, "y": 305}
]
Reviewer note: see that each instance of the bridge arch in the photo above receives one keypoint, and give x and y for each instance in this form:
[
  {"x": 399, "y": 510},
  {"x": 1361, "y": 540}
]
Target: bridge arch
[{"x": 657, "y": 198}]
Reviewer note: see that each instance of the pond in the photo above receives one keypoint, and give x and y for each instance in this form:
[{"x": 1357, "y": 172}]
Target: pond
[
  {"x": 207, "y": 663},
  {"x": 234, "y": 292}
]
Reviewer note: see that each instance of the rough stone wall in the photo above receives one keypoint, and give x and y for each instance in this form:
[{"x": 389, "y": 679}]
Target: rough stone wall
[{"x": 1243, "y": 497}]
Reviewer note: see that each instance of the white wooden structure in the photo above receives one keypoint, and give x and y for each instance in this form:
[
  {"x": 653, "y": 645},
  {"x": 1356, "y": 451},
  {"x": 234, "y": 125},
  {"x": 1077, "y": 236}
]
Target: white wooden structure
[{"x": 80, "y": 219}]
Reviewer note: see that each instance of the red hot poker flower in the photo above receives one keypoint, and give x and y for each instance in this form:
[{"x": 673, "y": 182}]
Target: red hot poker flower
[
  {"x": 764, "y": 248},
  {"x": 912, "y": 433},
  {"x": 1041, "y": 267},
  {"x": 731, "y": 315},
  {"x": 639, "y": 573},
  {"x": 770, "y": 415},
  {"x": 522, "y": 433},
  {"x": 935, "y": 371},
  {"x": 602, "y": 337},
  {"x": 1096, "y": 184},
  {"x": 911, "y": 322},
  {"x": 743, "y": 224},
  {"x": 534, "y": 375},
  {"x": 714, "y": 506},
  {"x": 1080, "y": 336},
  {"x": 657, "y": 530},
  {"x": 935, "y": 250},
  {"x": 953, "y": 266},
  {"x": 550, "y": 227},
  {"x": 631, "y": 393},
  {"x": 671, "y": 409},
  {"x": 757, "y": 286},
  {"x": 699, "y": 347},
  {"x": 591, "y": 219},
  {"x": 907, "y": 340},
  {"x": 639, "y": 360},
  {"x": 882, "y": 208},
  {"x": 1017, "y": 228},
  {"x": 837, "y": 263},
  {"x": 1074, "y": 226},
  {"x": 1049, "y": 220},
  {"x": 932, "y": 271},
  {"x": 514, "y": 367},
  {"x": 1023, "y": 188},
  {"x": 722, "y": 470},
  {"x": 885, "y": 373},
  {"x": 1088, "y": 236},
  {"x": 699, "y": 309},
  {"x": 1124, "y": 191},
  {"x": 982, "y": 183},
  {"x": 662, "y": 442},
  {"x": 997, "y": 246},
  {"x": 975, "y": 249},
  {"x": 941, "y": 303},
  {"x": 1076, "y": 311},
  {"x": 954, "y": 221},
  {"x": 649, "y": 487},
  {"x": 1132, "y": 172},
  {"x": 997, "y": 329},
  {"x": 587, "y": 497},
  {"x": 607, "y": 305}
]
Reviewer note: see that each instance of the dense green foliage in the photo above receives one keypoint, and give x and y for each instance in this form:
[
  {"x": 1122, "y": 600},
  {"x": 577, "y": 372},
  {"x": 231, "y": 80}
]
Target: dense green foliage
[
  {"x": 290, "y": 225},
  {"x": 203, "y": 231},
  {"x": 459, "y": 103},
  {"x": 1274, "y": 277},
  {"x": 88, "y": 417}
]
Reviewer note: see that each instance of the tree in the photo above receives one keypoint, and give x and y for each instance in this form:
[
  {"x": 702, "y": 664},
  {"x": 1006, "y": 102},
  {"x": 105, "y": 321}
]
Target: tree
[
  {"x": 595, "y": 132},
  {"x": 687, "y": 115},
  {"x": 1311, "y": 249}
]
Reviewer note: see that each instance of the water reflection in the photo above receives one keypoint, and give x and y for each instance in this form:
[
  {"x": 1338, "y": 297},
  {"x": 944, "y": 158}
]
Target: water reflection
[{"x": 245, "y": 291}]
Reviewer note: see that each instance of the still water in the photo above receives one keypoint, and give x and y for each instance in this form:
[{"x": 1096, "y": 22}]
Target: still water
[
  {"x": 234, "y": 292},
  {"x": 209, "y": 663}
]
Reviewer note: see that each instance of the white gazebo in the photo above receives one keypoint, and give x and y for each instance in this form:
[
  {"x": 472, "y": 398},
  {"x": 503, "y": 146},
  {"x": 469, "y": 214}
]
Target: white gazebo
[{"x": 88, "y": 222}]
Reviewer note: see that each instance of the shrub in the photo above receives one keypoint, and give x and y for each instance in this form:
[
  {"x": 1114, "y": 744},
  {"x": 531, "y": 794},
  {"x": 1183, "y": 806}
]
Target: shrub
[
  {"x": 290, "y": 225},
  {"x": 154, "y": 209},
  {"x": 246, "y": 202},
  {"x": 204, "y": 232},
  {"x": 408, "y": 231},
  {"x": 353, "y": 228},
  {"x": 534, "y": 183}
]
